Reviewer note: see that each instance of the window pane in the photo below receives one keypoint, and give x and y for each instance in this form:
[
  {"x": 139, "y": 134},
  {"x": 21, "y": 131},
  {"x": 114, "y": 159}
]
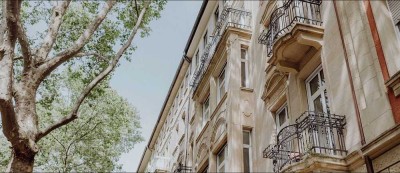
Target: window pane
[
  {"x": 246, "y": 160},
  {"x": 243, "y": 53},
  {"x": 318, "y": 104},
  {"x": 243, "y": 74},
  {"x": 246, "y": 137},
  {"x": 282, "y": 117},
  {"x": 314, "y": 85},
  {"x": 221, "y": 156}
]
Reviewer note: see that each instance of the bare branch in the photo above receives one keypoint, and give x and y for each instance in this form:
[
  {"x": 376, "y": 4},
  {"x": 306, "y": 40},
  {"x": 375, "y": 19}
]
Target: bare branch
[
  {"x": 51, "y": 36},
  {"x": 100, "y": 57},
  {"x": 74, "y": 112},
  {"x": 47, "y": 67},
  {"x": 25, "y": 47}
]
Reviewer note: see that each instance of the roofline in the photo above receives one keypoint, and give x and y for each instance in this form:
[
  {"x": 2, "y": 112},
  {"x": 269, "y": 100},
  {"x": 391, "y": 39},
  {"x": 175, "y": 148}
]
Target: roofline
[
  {"x": 189, "y": 42},
  {"x": 196, "y": 24}
]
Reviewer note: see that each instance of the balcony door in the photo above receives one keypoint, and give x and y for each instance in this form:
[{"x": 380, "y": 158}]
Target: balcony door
[
  {"x": 316, "y": 92},
  {"x": 319, "y": 109}
]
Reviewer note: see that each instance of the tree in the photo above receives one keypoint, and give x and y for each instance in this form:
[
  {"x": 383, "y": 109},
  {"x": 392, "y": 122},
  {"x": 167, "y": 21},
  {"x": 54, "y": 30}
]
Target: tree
[
  {"x": 89, "y": 35},
  {"x": 108, "y": 126}
]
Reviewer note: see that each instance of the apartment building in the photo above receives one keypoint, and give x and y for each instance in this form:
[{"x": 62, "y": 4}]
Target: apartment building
[{"x": 284, "y": 86}]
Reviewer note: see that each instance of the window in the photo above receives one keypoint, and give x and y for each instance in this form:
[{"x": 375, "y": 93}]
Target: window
[
  {"x": 281, "y": 117},
  {"x": 196, "y": 59},
  {"x": 316, "y": 92},
  {"x": 244, "y": 68},
  {"x": 394, "y": 7},
  {"x": 246, "y": 151},
  {"x": 205, "y": 40},
  {"x": 206, "y": 110},
  {"x": 221, "y": 84},
  {"x": 216, "y": 15},
  {"x": 221, "y": 159}
]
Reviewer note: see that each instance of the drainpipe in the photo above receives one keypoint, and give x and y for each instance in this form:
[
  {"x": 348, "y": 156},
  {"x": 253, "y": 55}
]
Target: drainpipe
[
  {"x": 367, "y": 159},
  {"x": 350, "y": 76}
]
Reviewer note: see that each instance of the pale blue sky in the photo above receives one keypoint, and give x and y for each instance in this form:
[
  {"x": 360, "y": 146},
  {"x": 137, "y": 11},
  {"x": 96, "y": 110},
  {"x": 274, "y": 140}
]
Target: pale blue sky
[{"x": 145, "y": 81}]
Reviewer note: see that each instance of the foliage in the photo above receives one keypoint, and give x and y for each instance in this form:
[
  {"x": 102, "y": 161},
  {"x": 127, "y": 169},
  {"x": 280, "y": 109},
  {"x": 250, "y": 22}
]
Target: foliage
[{"x": 108, "y": 126}]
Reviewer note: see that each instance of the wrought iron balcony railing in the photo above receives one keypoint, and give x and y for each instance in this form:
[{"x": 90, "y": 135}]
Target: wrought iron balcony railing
[
  {"x": 317, "y": 133},
  {"x": 285, "y": 17},
  {"x": 230, "y": 17},
  {"x": 182, "y": 168}
]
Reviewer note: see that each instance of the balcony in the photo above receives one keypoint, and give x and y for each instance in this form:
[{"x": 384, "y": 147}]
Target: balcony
[
  {"x": 317, "y": 135},
  {"x": 230, "y": 18},
  {"x": 160, "y": 164},
  {"x": 294, "y": 29},
  {"x": 182, "y": 168}
]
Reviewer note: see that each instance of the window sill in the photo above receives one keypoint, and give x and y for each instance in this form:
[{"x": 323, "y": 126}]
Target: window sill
[{"x": 246, "y": 89}]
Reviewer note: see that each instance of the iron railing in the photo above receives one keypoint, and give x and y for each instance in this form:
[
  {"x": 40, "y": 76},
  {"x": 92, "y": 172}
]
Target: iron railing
[
  {"x": 285, "y": 17},
  {"x": 317, "y": 133},
  {"x": 182, "y": 168},
  {"x": 229, "y": 17}
]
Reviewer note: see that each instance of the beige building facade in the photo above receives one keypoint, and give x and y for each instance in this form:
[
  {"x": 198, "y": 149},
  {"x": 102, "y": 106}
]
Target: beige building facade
[{"x": 284, "y": 86}]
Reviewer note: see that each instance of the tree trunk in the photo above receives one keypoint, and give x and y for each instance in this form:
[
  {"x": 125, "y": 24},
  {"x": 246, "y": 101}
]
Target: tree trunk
[{"x": 21, "y": 162}]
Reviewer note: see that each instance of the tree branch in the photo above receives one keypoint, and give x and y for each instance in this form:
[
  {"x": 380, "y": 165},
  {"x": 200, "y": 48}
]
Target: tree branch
[
  {"x": 100, "y": 57},
  {"x": 47, "y": 67},
  {"x": 25, "y": 47},
  {"x": 74, "y": 112},
  {"x": 51, "y": 36}
]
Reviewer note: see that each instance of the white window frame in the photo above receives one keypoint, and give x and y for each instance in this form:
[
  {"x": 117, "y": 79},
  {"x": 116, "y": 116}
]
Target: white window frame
[
  {"x": 220, "y": 165},
  {"x": 279, "y": 127},
  {"x": 244, "y": 60},
  {"x": 221, "y": 84},
  {"x": 319, "y": 92},
  {"x": 248, "y": 146},
  {"x": 206, "y": 111}
]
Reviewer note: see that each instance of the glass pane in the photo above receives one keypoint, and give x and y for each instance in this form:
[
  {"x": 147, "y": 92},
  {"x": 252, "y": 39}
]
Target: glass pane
[
  {"x": 221, "y": 156},
  {"x": 246, "y": 137},
  {"x": 243, "y": 54},
  {"x": 318, "y": 104},
  {"x": 243, "y": 74},
  {"x": 282, "y": 117},
  {"x": 314, "y": 84},
  {"x": 322, "y": 78},
  {"x": 246, "y": 160}
]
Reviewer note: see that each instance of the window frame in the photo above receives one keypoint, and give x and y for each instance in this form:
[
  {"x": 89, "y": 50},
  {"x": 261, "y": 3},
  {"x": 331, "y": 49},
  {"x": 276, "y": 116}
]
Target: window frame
[
  {"x": 279, "y": 125},
  {"x": 244, "y": 60},
  {"x": 249, "y": 147},
  {"x": 223, "y": 163},
  {"x": 221, "y": 84},
  {"x": 205, "y": 111},
  {"x": 319, "y": 92}
]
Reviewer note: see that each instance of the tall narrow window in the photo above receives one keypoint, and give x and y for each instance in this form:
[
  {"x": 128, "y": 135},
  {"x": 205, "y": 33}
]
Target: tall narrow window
[
  {"x": 205, "y": 39},
  {"x": 244, "y": 68},
  {"x": 221, "y": 84},
  {"x": 216, "y": 15},
  {"x": 206, "y": 111},
  {"x": 221, "y": 159},
  {"x": 281, "y": 118},
  {"x": 316, "y": 92},
  {"x": 247, "y": 151}
]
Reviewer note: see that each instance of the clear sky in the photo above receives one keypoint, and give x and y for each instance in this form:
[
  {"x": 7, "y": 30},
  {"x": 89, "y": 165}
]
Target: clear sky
[{"x": 146, "y": 79}]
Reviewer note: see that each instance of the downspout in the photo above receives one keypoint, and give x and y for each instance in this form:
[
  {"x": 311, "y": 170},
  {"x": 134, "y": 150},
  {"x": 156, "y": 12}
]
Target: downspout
[
  {"x": 187, "y": 116},
  {"x": 367, "y": 159},
  {"x": 350, "y": 76}
]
